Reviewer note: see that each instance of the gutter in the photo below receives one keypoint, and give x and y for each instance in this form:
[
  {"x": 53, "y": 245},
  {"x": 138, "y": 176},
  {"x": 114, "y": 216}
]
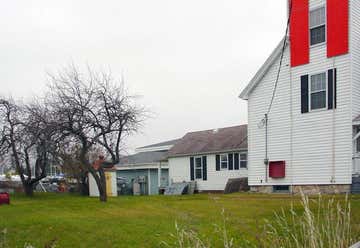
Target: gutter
[{"x": 207, "y": 153}]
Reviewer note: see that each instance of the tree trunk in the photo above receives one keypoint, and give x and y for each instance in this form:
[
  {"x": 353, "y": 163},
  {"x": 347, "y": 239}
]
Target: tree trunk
[
  {"x": 82, "y": 184},
  {"x": 102, "y": 188},
  {"x": 100, "y": 180},
  {"x": 84, "y": 188},
  {"x": 28, "y": 189}
]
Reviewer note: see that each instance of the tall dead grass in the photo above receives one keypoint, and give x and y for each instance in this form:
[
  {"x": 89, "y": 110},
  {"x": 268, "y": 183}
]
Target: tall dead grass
[{"x": 321, "y": 223}]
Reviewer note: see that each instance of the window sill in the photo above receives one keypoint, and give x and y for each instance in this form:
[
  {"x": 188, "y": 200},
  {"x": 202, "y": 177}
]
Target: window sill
[
  {"x": 318, "y": 45},
  {"x": 319, "y": 110}
]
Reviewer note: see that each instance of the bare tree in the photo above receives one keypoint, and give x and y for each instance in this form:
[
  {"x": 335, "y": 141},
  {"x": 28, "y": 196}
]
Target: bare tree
[
  {"x": 27, "y": 138},
  {"x": 94, "y": 110}
]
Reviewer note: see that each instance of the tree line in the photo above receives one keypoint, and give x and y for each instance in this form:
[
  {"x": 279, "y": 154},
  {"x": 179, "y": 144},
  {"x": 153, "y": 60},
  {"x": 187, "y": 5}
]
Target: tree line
[{"x": 80, "y": 113}]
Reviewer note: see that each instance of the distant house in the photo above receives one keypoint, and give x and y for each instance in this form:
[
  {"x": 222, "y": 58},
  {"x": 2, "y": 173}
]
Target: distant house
[
  {"x": 146, "y": 172},
  {"x": 209, "y": 157}
]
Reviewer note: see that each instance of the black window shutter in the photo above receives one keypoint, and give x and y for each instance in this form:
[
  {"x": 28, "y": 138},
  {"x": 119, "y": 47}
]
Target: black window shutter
[
  {"x": 236, "y": 161},
  {"x": 305, "y": 94},
  {"x": 331, "y": 90},
  {"x": 204, "y": 168},
  {"x": 192, "y": 176},
  {"x": 332, "y": 78},
  {"x": 231, "y": 164},
  {"x": 218, "y": 162}
]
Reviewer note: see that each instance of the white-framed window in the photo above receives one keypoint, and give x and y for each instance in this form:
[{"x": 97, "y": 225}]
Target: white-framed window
[
  {"x": 224, "y": 160},
  {"x": 243, "y": 160},
  {"x": 198, "y": 168},
  {"x": 317, "y": 25},
  {"x": 317, "y": 91}
]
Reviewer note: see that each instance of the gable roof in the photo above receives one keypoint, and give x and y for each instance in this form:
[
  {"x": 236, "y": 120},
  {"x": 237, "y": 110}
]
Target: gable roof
[
  {"x": 263, "y": 70},
  {"x": 208, "y": 141},
  {"x": 142, "y": 158}
]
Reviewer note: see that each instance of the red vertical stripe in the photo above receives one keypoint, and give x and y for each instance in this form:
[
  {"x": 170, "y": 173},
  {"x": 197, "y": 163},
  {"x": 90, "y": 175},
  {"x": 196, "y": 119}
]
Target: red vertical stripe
[
  {"x": 299, "y": 32},
  {"x": 337, "y": 27}
]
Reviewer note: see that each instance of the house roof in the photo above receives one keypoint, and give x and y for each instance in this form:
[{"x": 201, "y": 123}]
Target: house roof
[
  {"x": 165, "y": 143},
  {"x": 217, "y": 140},
  {"x": 262, "y": 71},
  {"x": 142, "y": 158}
]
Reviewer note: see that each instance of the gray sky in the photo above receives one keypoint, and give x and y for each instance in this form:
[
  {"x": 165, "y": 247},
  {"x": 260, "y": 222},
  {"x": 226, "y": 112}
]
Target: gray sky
[{"x": 189, "y": 59}]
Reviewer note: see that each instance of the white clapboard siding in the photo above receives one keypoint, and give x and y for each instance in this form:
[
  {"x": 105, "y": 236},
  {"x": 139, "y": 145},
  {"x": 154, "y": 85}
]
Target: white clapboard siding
[
  {"x": 317, "y": 145},
  {"x": 355, "y": 55},
  {"x": 179, "y": 171}
]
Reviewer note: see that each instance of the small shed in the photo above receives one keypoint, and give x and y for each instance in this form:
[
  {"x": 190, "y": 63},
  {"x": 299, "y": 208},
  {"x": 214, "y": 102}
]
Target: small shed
[
  {"x": 110, "y": 177},
  {"x": 146, "y": 172},
  {"x": 111, "y": 187}
]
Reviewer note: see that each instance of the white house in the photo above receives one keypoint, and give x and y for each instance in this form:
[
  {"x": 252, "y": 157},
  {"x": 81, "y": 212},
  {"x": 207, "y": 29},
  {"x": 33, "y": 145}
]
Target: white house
[
  {"x": 310, "y": 135},
  {"x": 210, "y": 158}
]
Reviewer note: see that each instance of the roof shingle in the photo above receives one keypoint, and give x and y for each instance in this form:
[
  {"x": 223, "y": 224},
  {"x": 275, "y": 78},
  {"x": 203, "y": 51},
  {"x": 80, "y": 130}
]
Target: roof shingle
[{"x": 217, "y": 140}]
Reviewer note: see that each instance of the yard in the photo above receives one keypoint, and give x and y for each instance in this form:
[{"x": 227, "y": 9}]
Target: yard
[{"x": 146, "y": 221}]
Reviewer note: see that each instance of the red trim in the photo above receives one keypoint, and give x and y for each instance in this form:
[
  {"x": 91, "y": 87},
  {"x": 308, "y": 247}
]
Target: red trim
[
  {"x": 337, "y": 27},
  {"x": 299, "y": 32},
  {"x": 277, "y": 169}
]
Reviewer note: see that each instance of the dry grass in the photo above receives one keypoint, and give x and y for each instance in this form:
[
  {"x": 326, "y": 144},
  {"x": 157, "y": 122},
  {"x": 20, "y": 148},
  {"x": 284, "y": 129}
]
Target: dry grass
[
  {"x": 188, "y": 238},
  {"x": 322, "y": 223}
]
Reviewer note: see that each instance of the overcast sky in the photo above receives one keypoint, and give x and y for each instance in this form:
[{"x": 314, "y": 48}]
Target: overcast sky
[{"x": 189, "y": 59}]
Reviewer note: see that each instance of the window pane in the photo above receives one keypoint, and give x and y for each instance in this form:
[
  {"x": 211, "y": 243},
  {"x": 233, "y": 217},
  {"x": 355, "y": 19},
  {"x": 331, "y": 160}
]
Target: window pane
[
  {"x": 318, "y": 100},
  {"x": 243, "y": 164},
  {"x": 224, "y": 161},
  {"x": 317, "y": 17},
  {"x": 198, "y": 173},
  {"x": 317, "y": 35},
  {"x": 243, "y": 156},
  {"x": 243, "y": 160},
  {"x": 198, "y": 162},
  {"x": 318, "y": 82}
]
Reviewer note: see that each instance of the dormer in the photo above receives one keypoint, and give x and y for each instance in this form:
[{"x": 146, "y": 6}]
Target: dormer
[{"x": 325, "y": 24}]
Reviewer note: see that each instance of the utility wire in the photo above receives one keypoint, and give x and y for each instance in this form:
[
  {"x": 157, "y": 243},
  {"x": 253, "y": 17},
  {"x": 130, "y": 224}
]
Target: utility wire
[{"x": 281, "y": 60}]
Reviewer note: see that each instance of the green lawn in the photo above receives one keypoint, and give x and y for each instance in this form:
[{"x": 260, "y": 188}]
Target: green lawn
[{"x": 143, "y": 221}]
